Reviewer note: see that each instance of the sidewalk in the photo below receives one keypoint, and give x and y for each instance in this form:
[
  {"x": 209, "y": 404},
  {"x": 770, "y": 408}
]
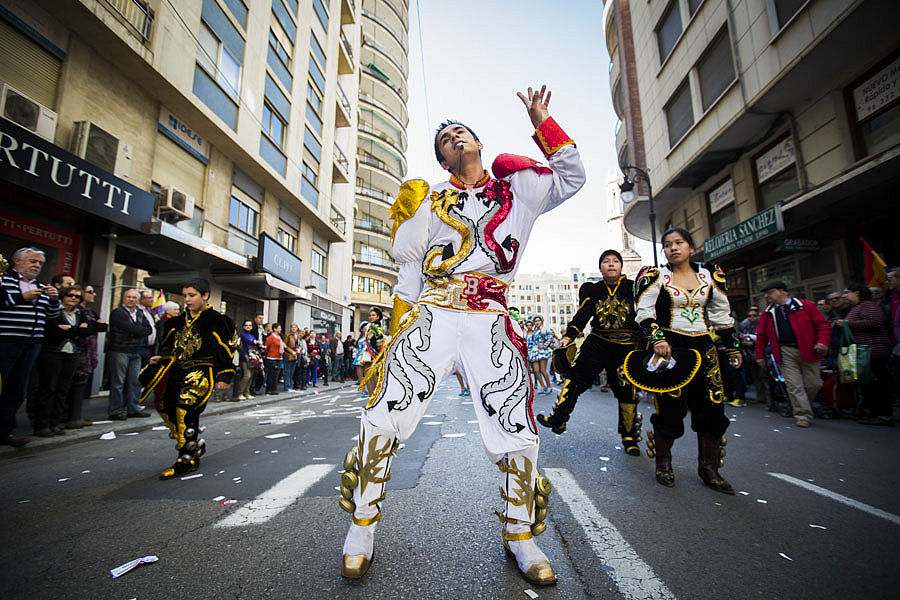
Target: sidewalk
[{"x": 95, "y": 409}]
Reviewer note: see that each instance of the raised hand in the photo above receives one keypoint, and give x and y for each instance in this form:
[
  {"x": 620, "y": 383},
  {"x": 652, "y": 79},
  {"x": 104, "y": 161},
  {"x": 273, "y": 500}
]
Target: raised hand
[{"x": 536, "y": 104}]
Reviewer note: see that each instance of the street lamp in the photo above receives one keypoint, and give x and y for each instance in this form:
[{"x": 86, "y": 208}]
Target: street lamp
[{"x": 627, "y": 193}]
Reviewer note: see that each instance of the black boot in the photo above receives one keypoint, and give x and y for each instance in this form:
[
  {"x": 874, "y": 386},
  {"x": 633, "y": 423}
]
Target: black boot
[
  {"x": 711, "y": 457},
  {"x": 184, "y": 464},
  {"x": 556, "y": 421},
  {"x": 662, "y": 447}
]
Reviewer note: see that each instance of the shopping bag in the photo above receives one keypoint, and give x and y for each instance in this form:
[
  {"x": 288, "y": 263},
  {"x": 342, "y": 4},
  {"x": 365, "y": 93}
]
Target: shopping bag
[
  {"x": 864, "y": 373},
  {"x": 847, "y": 371}
]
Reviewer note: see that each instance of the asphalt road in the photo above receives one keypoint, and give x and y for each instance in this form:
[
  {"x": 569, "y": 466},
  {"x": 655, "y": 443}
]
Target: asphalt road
[{"x": 73, "y": 512}]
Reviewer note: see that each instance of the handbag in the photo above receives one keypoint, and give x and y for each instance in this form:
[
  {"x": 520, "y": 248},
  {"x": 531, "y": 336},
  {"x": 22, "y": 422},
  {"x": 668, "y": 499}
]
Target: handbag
[{"x": 854, "y": 360}]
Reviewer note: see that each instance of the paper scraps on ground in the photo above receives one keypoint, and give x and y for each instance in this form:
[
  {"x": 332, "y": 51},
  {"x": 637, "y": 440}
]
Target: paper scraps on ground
[
  {"x": 110, "y": 435},
  {"x": 737, "y": 435},
  {"x": 319, "y": 458},
  {"x": 121, "y": 570},
  {"x": 777, "y": 430},
  {"x": 63, "y": 479},
  {"x": 604, "y": 458},
  {"x": 194, "y": 476},
  {"x": 817, "y": 526},
  {"x": 131, "y": 433},
  {"x": 159, "y": 428},
  {"x": 24, "y": 501},
  {"x": 744, "y": 493},
  {"x": 473, "y": 421},
  {"x": 85, "y": 471},
  {"x": 274, "y": 451},
  {"x": 227, "y": 502},
  {"x": 453, "y": 435},
  {"x": 275, "y": 436},
  {"x": 101, "y": 422},
  {"x": 785, "y": 556},
  {"x": 432, "y": 423},
  {"x": 531, "y": 594},
  {"x": 761, "y": 501},
  {"x": 603, "y": 469},
  {"x": 235, "y": 478},
  {"x": 218, "y": 498}
]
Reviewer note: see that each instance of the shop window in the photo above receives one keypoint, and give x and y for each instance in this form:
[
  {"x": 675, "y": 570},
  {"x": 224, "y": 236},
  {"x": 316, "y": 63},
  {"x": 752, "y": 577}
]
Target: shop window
[
  {"x": 669, "y": 30},
  {"x": 243, "y": 217},
  {"x": 319, "y": 269},
  {"x": 288, "y": 239},
  {"x": 720, "y": 204},
  {"x": 715, "y": 71},
  {"x": 776, "y": 173},
  {"x": 679, "y": 113},
  {"x": 781, "y": 11}
]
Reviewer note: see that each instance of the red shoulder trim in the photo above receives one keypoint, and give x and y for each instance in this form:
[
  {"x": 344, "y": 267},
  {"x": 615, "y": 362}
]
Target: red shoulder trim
[{"x": 507, "y": 164}]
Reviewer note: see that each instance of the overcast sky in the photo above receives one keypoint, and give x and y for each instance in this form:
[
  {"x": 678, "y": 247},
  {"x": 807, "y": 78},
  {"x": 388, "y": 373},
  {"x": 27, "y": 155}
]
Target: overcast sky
[{"x": 477, "y": 55}]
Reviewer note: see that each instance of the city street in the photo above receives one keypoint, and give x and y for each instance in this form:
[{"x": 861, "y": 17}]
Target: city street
[{"x": 75, "y": 511}]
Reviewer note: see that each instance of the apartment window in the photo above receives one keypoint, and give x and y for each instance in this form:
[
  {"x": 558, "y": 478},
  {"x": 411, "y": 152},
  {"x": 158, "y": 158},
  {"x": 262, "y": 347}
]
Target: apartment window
[
  {"x": 273, "y": 125},
  {"x": 279, "y": 59},
  {"x": 314, "y": 98},
  {"x": 321, "y": 12},
  {"x": 309, "y": 182},
  {"x": 877, "y": 108},
  {"x": 679, "y": 113},
  {"x": 316, "y": 49},
  {"x": 313, "y": 119},
  {"x": 218, "y": 61},
  {"x": 783, "y": 10},
  {"x": 669, "y": 30},
  {"x": 284, "y": 19},
  {"x": 319, "y": 268},
  {"x": 722, "y": 211},
  {"x": 239, "y": 11},
  {"x": 242, "y": 216},
  {"x": 309, "y": 173},
  {"x": 715, "y": 71},
  {"x": 313, "y": 145},
  {"x": 287, "y": 239},
  {"x": 776, "y": 173},
  {"x": 693, "y": 5}
]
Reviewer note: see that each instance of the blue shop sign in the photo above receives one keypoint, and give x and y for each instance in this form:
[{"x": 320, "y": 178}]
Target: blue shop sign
[
  {"x": 33, "y": 163},
  {"x": 277, "y": 260}
]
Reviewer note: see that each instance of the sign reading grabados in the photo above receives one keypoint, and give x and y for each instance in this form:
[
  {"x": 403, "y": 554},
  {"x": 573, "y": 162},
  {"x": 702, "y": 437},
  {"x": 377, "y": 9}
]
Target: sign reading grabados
[
  {"x": 798, "y": 245},
  {"x": 774, "y": 160},
  {"x": 178, "y": 131},
  {"x": 33, "y": 163},
  {"x": 277, "y": 260},
  {"x": 721, "y": 196},
  {"x": 757, "y": 227},
  {"x": 878, "y": 91}
]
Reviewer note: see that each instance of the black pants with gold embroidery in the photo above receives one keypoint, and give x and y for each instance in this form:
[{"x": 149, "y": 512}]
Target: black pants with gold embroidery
[
  {"x": 703, "y": 396},
  {"x": 186, "y": 394},
  {"x": 595, "y": 356}
]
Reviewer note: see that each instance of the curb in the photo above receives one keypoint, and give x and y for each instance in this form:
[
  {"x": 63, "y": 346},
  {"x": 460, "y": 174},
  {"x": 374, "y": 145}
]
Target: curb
[{"x": 93, "y": 433}]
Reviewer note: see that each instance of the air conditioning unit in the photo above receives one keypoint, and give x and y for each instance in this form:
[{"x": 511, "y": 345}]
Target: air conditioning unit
[
  {"x": 177, "y": 204},
  {"x": 100, "y": 148},
  {"x": 33, "y": 116}
]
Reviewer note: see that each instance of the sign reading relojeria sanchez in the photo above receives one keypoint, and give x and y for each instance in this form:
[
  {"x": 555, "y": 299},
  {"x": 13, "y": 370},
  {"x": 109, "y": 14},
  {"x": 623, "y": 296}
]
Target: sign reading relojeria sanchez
[
  {"x": 33, "y": 163},
  {"x": 757, "y": 227}
]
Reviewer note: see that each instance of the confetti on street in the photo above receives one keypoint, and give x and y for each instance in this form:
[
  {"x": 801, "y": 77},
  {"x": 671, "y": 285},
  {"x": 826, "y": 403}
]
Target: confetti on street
[
  {"x": 785, "y": 556},
  {"x": 275, "y": 436}
]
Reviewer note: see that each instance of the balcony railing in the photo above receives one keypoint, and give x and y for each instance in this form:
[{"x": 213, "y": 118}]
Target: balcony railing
[
  {"x": 382, "y": 298},
  {"x": 381, "y": 135},
  {"x": 371, "y": 161},
  {"x": 137, "y": 14},
  {"x": 373, "y": 227},
  {"x": 401, "y": 62},
  {"x": 378, "y": 261},
  {"x": 370, "y": 192},
  {"x": 347, "y": 46},
  {"x": 341, "y": 159},
  {"x": 338, "y": 220},
  {"x": 345, "y": 102},
  {"x": 370, "y": 100}
]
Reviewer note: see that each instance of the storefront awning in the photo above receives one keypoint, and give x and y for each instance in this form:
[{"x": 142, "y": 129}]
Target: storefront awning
[
  {"x": 168, "y": 248},
  {"x": 261, "y": 285}
]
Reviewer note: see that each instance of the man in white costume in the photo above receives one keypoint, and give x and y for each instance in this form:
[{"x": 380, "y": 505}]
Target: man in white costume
[{"x": 458, "y": 244}]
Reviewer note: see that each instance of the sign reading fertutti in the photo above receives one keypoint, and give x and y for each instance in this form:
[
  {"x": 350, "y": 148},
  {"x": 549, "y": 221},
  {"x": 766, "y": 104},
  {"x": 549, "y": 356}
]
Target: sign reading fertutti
[
  {"x": 277, "y": 260},
  {"x": 757, "y": 227},
  {"x": 33, "y": 163}
]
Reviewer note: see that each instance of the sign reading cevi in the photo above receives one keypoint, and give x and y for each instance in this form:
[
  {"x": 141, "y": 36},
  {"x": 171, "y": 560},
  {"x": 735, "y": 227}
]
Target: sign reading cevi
[{"x": 757, "y": 227}]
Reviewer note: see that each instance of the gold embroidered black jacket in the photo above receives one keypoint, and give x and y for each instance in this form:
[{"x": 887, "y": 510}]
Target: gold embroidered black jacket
[
  {"x": 610, "y": 310},
  {"x": 207, "y": 340}
]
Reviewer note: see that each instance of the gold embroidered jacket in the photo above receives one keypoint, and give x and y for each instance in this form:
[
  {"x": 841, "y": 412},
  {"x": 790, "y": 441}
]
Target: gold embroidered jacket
[
  {"x": 209, "y": 339},
  {"x": 610, "y": 310}
]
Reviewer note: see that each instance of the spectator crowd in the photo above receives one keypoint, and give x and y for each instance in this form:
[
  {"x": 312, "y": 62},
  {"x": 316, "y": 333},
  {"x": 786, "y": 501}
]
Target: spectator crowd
[{"x": 49, "y": 351}]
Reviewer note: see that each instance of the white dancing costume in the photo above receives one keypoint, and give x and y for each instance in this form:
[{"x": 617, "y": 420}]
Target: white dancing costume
[{"x": 458, "y": 249}]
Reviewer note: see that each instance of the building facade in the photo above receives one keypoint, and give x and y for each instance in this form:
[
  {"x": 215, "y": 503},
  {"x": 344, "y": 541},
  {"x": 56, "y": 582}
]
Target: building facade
[
  {"x": 381, "y": 144},
  {"x": 149, "y": 142},
  {"x": 553, "y": 296},
  {"x": 767, "y": 130}
]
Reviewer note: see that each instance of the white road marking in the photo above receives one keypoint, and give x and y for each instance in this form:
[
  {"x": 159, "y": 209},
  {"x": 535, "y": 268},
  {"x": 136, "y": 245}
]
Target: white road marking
[
  {"x": 839, "y": 498},
  {"x": 277, "y": 498},
  {"x": 634, "y": 578}
]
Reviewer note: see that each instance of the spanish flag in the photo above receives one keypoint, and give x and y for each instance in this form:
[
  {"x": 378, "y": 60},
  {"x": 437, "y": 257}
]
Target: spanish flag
[
  {"x": 157, "y": 306},
  {"x": 875, "y": 266}
]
